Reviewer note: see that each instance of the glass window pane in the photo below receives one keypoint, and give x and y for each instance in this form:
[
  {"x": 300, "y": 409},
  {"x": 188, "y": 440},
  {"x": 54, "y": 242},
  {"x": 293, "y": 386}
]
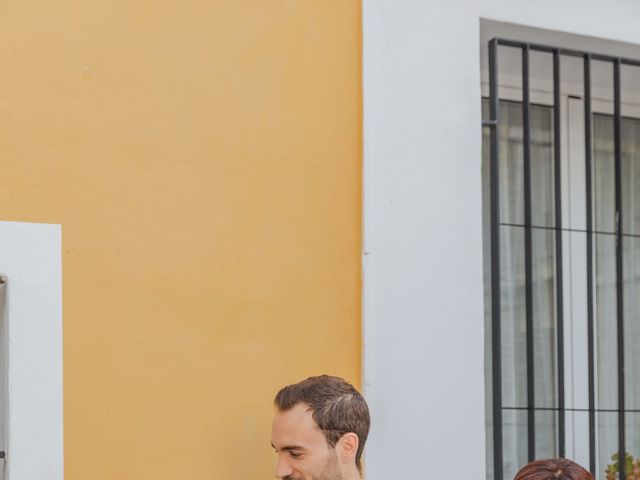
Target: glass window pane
[
  {"x": 513, "y": 300},
  {"x": 577, "y": 438},
  {"x": 631, "y": 261},
  {"x": 603, "y": 174},
  {"x": 514, "y": 350},
  {"x": 632, "y": 441},
  {"x": 630, "y": 135},
  {"x": 511, "y": 164},
  {"x": 542, "y": 167},
  {"x": 607, "y": 441},
  {"x": 606, "y": 322},
  {"x": 546, "y": 433},
  {"x": 514, "y": 435},
  {"x": 544, "y": 317}
]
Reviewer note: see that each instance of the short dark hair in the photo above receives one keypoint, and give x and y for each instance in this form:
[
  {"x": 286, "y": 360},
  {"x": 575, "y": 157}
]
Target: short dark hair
[
  {"x": 335, "y": 405},
  {"x": 553, "y": 469}
]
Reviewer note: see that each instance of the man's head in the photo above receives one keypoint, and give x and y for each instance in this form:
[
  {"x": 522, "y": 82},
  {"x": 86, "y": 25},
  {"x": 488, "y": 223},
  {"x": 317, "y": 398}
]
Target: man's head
[
  {"x": 319, "y": 430},
  {"x": 553, "y": 469}
]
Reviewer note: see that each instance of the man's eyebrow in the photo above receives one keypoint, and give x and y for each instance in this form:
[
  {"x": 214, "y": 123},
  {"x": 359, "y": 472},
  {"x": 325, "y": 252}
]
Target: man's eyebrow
[{"x": 288, "y": 448}]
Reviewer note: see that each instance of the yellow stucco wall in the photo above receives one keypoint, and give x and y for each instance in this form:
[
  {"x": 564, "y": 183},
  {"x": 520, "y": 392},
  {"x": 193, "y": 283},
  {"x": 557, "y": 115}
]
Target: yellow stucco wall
[{"x": 204, "y": 160}]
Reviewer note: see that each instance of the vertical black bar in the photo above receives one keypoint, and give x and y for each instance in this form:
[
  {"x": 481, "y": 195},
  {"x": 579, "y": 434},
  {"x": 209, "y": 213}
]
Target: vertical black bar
[
  {"x": 526, "y": 142},
  {"x": 558, "y": 232},
  {"x": 495, "y": 261},
  {"x": 589, "y": 205},
  {"x": 619, "y": 298}
]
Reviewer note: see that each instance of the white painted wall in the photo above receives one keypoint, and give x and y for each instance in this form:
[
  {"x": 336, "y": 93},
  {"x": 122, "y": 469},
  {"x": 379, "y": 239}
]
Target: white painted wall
[
  {"x": 423, "y": 291},
  {"x": 30, "y": 258}
]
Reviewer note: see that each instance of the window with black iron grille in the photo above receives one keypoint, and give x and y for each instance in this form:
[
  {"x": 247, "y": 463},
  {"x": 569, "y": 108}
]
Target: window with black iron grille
[{"x": 561, "y": 172}]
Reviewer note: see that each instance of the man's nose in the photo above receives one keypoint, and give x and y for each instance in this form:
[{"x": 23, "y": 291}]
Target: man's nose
[{"x": 283, "y": 468}]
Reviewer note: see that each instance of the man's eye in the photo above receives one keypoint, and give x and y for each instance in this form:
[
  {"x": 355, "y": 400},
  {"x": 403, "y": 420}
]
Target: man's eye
[{"x": 295, "y": 454}]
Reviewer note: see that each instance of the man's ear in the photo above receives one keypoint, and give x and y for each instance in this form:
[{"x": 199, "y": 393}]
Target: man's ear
[{"x": 347, "y": 447}]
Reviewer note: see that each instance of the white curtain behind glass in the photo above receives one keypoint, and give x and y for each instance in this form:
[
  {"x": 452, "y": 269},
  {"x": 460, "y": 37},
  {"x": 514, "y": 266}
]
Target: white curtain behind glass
[
  {"x": 606, "y": 309},
  {"x": 512, "y": 257},
  {"x": 512, "y": 253}
]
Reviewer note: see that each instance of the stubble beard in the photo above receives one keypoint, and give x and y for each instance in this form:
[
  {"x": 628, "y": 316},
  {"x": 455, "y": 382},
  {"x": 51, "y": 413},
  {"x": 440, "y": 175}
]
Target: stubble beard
[{"x": 330, "y": 471}]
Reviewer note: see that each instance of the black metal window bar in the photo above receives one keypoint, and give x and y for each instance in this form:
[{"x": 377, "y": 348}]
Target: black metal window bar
[{"x": 493, "y": 124}]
